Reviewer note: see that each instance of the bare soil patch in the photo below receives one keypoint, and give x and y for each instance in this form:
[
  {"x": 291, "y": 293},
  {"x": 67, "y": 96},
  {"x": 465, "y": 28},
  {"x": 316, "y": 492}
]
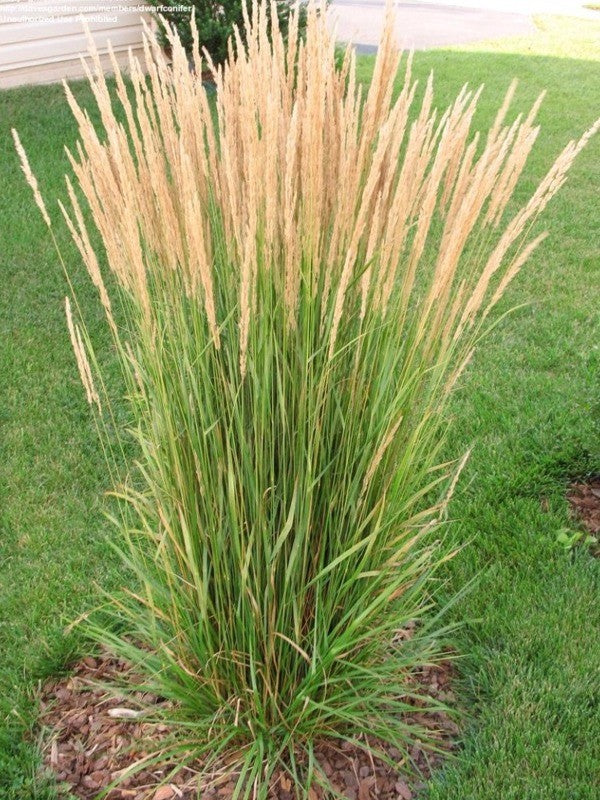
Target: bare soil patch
[
  {"x": 87, "y": 743},
  {"x": 584, "y": 499}
]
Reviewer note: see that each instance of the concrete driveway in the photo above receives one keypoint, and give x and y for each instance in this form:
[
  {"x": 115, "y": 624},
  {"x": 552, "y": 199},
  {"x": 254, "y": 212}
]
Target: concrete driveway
[{"x": 421, "y": 25}]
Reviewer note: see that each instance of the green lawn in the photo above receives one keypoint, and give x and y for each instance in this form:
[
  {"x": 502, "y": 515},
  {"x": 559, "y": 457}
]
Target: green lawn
[{"x": 530, "y": 404}]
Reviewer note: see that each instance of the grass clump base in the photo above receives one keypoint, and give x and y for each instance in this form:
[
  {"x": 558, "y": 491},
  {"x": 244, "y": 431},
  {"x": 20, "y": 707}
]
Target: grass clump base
[
  {"x": 298, "y": 281},
  {"x": 90, "y": 738}
]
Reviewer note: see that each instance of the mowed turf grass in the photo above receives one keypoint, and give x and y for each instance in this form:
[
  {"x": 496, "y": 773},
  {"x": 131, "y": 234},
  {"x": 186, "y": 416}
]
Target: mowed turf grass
[{"x": 530, "y": 405}]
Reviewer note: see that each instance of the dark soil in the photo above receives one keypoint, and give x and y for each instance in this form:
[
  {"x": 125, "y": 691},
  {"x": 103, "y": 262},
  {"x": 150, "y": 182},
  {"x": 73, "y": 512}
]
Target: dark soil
[
  {"x": 88, "y": 742},
  {"x": 584, "y": 499}
]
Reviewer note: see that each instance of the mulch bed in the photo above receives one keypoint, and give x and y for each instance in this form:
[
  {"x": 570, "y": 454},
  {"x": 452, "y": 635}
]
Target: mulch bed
[
  {"x": 584, "y": 499},
  {"x": 88, "y": 743}
]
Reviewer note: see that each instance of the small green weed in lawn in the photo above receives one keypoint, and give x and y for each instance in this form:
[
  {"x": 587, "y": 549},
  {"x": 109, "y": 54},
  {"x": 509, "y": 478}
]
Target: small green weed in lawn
[
  {"x": 298, "y": 288},
  {"x": 568, "y": 539}
]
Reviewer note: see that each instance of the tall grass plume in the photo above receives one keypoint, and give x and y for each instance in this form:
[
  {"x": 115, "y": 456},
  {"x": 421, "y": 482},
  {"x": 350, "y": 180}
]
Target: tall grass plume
[{"x": 299, "y": 273}]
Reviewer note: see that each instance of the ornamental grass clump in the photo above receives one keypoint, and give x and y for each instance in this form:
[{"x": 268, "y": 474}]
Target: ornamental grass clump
[{"x": 299, "y": 275}]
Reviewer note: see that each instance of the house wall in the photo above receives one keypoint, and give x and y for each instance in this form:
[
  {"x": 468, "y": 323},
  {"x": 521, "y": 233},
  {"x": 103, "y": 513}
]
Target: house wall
[{"x": 46, "y": 48}]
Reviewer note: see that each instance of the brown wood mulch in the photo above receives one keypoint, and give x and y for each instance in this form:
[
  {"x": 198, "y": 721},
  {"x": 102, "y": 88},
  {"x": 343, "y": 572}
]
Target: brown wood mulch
[
  {"x": 88, "y": 741},
  {"x": 584, "y": 499}
]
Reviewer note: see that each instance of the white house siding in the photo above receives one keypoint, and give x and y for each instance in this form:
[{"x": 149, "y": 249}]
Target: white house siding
[{"x": 41, "y": 40}]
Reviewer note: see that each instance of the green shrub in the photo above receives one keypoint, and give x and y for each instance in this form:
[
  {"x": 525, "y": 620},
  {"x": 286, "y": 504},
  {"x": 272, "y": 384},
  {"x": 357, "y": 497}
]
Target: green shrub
[
  {"x": 215, "y": 22},
  {"x": 300, "y": 277}
]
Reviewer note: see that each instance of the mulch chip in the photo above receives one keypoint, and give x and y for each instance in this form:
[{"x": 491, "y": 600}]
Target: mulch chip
[
  {"x": 584, "y": 499},
  {"x": 90, "y": 737}
]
